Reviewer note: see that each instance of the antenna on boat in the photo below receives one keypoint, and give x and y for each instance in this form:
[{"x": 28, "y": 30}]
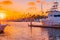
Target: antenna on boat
[{"x": 55, "y": 6}]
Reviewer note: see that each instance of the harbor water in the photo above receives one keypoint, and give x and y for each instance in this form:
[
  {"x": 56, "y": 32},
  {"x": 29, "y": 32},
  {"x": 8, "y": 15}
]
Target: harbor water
[{"x": 21, "y": 31}]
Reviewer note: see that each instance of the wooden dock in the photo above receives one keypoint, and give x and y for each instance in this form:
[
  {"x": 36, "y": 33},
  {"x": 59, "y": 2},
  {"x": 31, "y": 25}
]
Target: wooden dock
[{"x": 45, "y": 26}]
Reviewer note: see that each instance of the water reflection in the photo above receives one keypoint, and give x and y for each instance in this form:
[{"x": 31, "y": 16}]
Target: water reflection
[{"x": 21, "y": 31}]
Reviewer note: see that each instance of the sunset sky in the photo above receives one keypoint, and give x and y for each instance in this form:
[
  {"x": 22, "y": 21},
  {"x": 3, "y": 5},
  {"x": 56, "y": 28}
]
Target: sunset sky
[{"x": 23, "y": 4}]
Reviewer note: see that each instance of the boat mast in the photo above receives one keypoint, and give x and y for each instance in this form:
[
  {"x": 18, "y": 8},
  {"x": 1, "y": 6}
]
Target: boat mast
[{"x": 41, "y": 7}]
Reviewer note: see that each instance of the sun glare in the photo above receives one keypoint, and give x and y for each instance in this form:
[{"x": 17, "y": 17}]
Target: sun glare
[{"x": 2, "y": 15}]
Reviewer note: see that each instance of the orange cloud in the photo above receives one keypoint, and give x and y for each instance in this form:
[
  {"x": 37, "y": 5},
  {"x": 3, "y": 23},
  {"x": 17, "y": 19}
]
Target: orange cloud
[
  {"x": 31, "y": 3},
  {"x": 38, "y": 1},
  {"x": 6, "y": 2}
]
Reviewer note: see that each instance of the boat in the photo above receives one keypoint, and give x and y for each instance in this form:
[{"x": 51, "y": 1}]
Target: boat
[
  {"x": 2, "y": 26},
  {"x": 53, "y": 19},
  {"x": 53, "y": 16}
]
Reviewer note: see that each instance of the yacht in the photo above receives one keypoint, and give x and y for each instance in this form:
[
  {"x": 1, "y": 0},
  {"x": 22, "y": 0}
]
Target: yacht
[
  {"x": 53, "y": 19},
  {"x": 53, "y": 16}
]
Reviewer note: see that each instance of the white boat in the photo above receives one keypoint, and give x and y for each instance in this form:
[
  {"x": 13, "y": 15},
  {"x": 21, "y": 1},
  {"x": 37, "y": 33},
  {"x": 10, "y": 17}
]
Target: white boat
[
  {"x": 53, "y": 16},
  {"x": 53, "y": 20}
]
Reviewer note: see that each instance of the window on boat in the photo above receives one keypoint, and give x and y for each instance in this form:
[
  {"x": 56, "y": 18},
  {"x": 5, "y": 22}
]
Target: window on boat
[
  {"x": 56, "y": 15},
  {"x": 50, "y": 15}
]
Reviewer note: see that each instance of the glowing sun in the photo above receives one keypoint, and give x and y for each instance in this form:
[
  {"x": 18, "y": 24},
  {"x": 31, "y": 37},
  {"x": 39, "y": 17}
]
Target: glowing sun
[{"x": 2, "y": 15}]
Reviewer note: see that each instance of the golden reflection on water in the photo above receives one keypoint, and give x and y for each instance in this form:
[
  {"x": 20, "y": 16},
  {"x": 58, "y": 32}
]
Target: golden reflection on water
[{"x": 19, "y": 31}]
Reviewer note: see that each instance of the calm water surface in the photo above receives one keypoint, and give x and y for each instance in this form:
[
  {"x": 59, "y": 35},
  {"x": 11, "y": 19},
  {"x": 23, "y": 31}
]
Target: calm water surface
[{"x": 21, "y": 31}]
